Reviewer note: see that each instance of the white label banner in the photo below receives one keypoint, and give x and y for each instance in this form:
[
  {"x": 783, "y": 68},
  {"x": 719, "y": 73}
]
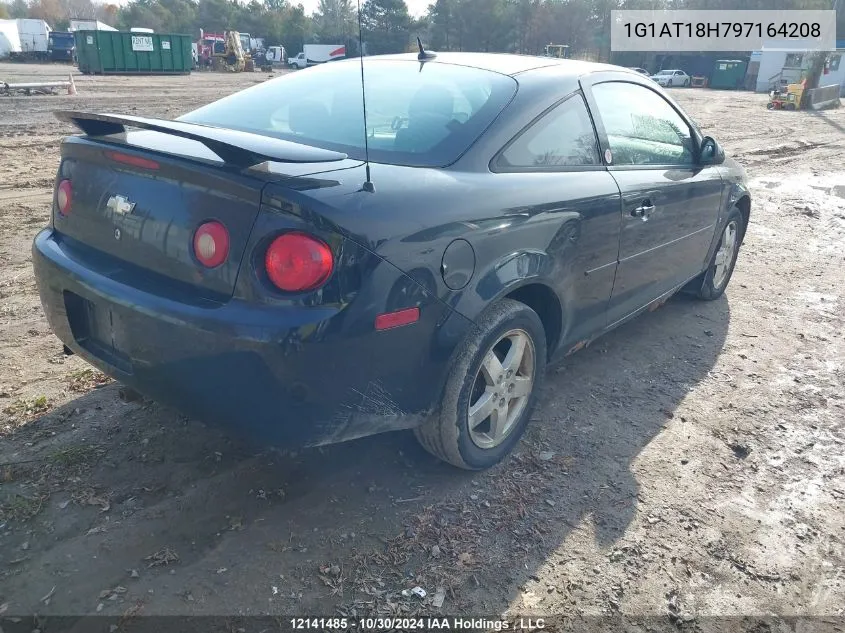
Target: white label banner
[
  {"x": 711, "y": 30},
  {"x": 142, "y": 43}
]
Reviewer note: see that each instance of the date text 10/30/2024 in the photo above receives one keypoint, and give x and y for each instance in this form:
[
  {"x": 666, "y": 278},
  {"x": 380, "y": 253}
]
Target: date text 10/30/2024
[{"x": 416, "y": 623}]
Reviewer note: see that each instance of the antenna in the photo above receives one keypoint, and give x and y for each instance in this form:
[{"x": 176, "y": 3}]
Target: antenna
[
  {"x": 424, "y": 54},
  {"x": 368, "y": 184}
]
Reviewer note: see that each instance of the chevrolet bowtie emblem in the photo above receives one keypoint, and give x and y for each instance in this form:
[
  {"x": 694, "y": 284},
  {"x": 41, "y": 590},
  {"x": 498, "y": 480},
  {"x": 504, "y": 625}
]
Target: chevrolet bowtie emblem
[{"x": 120, "y": 204}]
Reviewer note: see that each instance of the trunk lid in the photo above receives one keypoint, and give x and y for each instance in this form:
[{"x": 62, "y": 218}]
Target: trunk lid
[
  {"x": 154, "y": 211},
  {"x": 142, "y": 214}
]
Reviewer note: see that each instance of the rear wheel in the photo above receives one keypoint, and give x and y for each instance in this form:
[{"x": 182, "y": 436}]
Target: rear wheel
[
  {"x": 714, "y": 280},
  {"x": 491, "y": 389},
  {"x": 686, "y": 83}
]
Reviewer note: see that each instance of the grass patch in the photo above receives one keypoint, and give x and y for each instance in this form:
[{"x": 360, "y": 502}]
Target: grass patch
[
  {"x": 25, "y": 407},
  {"x": 86, "y": 379},
  {"x": 20, "y": 508},
  {"x": 74, "y": 456}
]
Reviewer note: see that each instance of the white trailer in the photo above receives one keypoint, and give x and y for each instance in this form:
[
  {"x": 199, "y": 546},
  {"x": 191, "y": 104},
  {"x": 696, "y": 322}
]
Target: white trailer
[
  {"x": 317, "y": 54},
  {"x": 34, "y": 36},
  {"x": 89, "y": 25},
  {"x": 10, "y": 41}
]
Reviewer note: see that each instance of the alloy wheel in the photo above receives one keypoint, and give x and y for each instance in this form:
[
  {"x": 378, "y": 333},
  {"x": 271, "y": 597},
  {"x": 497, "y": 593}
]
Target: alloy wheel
[
  {"x": 725, "y": 255},
  {"x": 501, "y": 389}
]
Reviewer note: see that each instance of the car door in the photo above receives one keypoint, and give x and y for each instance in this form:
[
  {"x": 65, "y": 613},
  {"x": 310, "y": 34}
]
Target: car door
[
  {"x": 670, "y": 203},
  {"x": 556, "y": 164}
]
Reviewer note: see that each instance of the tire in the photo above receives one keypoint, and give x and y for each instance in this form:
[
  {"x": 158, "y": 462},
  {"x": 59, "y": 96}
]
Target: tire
[
  {"x": 713, "y": 282},
  {"x": 669, "y": 84},
  {"x": 686, "y": 83},
  {"x": 447, "y": 434},
  {"x": 770, "y": 106}
]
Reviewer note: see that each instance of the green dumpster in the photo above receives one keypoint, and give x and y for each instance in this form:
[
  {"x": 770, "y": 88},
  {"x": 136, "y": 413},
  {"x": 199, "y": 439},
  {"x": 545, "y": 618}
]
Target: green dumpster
[
  {"x": 123, "y": 52},
  {"x": 728, "y": 74}
]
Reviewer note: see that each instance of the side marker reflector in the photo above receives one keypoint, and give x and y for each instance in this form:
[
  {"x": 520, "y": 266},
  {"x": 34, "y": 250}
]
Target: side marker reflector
[{"x": 395, "y": 319}]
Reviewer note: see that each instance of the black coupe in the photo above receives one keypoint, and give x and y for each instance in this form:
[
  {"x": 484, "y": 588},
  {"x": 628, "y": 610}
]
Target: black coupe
[{"x": 272, "y": 262}]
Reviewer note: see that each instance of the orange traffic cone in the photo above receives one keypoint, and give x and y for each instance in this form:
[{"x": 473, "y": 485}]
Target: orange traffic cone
[{"x": 71, "y": 89}]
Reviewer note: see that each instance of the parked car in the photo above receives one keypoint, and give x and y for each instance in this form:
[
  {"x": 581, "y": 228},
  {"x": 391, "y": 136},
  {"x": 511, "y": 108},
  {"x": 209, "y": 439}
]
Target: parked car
[
  {"x": 289, "y": 280},
  {"x": 642, "y": 71},
  {"x": 669, "y": 78}
]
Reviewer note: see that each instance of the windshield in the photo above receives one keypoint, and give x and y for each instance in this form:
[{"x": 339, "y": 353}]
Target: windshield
[{"x": 417, "y": 114}]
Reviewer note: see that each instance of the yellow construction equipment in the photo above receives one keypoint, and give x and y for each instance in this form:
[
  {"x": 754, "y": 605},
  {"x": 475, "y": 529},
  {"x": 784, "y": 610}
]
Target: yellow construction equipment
[
  {"x": 231, "y": 55},
  {"x": 788, "y": 100}
]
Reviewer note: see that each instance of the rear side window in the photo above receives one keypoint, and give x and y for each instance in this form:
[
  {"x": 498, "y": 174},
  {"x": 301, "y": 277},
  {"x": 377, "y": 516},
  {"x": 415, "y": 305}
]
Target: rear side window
[
  {"x": 563, "y": 137},
  {"x": 642, "y": 128},
  {"x": 417, "y": 115}
]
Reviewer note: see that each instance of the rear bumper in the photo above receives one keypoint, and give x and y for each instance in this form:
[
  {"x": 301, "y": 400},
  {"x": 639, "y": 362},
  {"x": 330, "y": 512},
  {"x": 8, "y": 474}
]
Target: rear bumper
[{"x": 291, "y": 376}]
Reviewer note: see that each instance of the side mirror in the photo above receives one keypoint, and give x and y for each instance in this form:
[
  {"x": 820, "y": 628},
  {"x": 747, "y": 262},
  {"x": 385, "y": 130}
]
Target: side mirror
[{"x": 710, "y": 152}]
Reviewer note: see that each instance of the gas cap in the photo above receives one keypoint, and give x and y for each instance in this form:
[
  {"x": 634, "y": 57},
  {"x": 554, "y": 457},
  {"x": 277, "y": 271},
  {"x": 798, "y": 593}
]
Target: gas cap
[{"x": 458, "y": 264}]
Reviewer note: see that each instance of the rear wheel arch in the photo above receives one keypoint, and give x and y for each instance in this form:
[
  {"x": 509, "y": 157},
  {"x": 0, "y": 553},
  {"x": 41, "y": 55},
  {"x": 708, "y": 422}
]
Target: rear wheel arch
[
  {"x": 545, "y": 302},
  {"x": 744, "y": 206}
]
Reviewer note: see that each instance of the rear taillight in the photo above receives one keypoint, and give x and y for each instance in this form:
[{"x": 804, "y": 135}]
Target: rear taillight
[
  {"x": 135, "y": 161},
  {"x": 64, "y": 197},
  {"x": 211, "y": 244},
  {"x": 296, "y": 262}
]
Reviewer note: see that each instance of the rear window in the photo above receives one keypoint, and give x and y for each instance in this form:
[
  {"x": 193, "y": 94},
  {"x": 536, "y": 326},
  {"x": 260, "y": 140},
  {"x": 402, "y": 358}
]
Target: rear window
[{"x": 417, "y": 114}]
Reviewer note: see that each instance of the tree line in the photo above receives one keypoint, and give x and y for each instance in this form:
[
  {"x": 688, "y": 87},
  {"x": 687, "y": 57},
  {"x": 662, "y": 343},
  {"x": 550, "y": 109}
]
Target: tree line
[{"x": 519, "y": 26}]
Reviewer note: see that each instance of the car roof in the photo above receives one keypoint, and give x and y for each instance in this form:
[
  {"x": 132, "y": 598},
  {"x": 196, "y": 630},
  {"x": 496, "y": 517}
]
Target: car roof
[{"x": 509, "y": 64}]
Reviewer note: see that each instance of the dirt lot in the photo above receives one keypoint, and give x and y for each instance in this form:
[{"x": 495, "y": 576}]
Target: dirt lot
[{"x": 690, "y": 464}]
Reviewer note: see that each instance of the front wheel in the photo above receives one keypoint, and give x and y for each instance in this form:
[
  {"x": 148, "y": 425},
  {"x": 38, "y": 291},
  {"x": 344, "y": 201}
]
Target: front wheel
[
  {"x": 491, "y": 389},
  {"x": 715, "y": 279}
]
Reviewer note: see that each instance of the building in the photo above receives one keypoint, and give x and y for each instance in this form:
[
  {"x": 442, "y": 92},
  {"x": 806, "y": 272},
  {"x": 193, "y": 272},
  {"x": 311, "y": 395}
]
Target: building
[{"x": 780, "y": 67}]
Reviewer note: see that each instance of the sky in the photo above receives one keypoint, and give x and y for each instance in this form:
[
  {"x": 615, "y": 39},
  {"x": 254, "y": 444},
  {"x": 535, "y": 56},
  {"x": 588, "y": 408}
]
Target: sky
[{"x": 416, "y": 8}]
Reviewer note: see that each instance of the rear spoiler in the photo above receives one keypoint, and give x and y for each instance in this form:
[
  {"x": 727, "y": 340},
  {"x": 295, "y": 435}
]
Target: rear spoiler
[{"x": 241, "y": 149}]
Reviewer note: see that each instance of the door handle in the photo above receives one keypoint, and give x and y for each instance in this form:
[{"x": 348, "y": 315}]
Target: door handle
[{"x": 643, "y": 211}]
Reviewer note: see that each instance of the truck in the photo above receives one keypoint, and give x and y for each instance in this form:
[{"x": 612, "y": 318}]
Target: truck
[
  {"x": 208, "y": 45},
  {"x": 10, "y": 41},
  {"x": 317, "y": 54},
  {"x": 274, "y": 57},
  {"x": 60, "y": 46},
  {"x": 89, "y": 25},
  {"x": 34, "y": 35}
]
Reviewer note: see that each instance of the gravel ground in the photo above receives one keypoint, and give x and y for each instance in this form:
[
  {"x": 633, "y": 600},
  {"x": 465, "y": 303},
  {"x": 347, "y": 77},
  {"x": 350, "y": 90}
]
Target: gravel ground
[{"x": 687, "y": 465}]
